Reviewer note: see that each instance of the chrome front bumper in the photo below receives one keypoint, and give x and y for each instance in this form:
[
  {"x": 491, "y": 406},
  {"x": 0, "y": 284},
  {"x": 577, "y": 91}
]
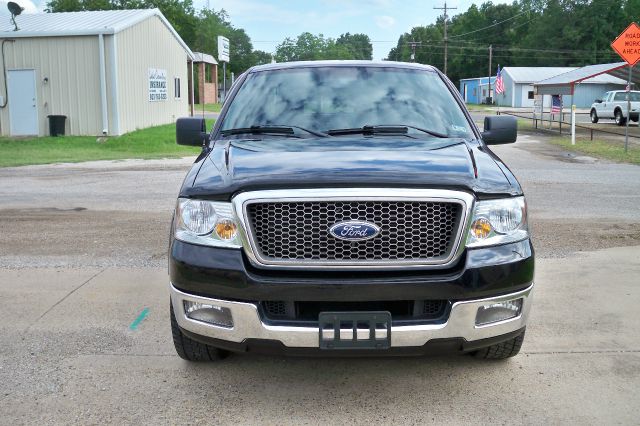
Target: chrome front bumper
[{"x": 248, "y": 325}]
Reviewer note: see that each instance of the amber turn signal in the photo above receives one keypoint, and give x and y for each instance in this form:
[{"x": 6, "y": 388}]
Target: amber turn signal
[
  {"x": 481, "y": 228},
  {"x": 226, "y": 229}
]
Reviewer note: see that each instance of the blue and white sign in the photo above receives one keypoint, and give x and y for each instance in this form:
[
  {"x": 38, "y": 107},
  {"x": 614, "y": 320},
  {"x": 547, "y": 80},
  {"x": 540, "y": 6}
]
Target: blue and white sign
[{"x": 354, "y": 230}]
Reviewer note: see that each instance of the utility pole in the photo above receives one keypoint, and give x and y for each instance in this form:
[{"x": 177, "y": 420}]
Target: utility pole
[
  {"x": 490, "y": 69},
  {"x": 446, "y": 40},
  {"x": 413, "y": 45}
]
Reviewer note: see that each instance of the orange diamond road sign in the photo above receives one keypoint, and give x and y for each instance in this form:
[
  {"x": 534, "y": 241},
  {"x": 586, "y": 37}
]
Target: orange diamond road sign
[{"x": 628, "y": 44}]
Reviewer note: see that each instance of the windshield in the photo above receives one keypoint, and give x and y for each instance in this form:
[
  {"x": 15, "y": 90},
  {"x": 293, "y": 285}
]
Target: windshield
[{"x": 330, "y": 98}]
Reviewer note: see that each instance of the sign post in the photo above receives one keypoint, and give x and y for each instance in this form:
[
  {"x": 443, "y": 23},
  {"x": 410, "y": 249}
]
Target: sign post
[
  {"x": 573, "y": 124},
  {"x": 627, "y": 45},
  {"x": 223, "y": 56}
]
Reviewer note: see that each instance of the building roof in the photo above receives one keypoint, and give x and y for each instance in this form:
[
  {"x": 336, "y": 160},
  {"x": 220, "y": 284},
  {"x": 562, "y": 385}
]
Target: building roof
[
  {"x": 82, "y": 23},
  {"x": 588, "y": 74},
  {"x": 564, "y": 84},
  {"x": 533, "y": 74},
  {"x": 203, "y": 57}
]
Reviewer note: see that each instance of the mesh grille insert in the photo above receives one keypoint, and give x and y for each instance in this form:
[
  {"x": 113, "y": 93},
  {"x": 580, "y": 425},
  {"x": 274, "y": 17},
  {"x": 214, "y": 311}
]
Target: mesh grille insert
[
  {"x": 433, "y": 308},
  {"x": 299, "y": 230}
]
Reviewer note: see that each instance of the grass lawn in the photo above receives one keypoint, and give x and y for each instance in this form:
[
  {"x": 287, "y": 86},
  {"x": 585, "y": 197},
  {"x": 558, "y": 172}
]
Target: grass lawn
[
  {"x": 154, "y": 142},
  {"x": 207, "y": 107},
  {"x": 611, "y": 150},
  {"x": 476, "y": 107}
]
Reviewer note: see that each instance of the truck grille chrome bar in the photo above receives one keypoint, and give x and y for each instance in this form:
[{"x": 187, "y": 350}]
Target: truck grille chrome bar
[{"x": 292, "y": 227}]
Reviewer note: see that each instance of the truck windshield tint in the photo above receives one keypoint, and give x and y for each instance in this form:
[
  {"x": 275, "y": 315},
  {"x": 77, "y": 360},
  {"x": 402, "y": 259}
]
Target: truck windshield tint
[{"x": 324, "y": 98}]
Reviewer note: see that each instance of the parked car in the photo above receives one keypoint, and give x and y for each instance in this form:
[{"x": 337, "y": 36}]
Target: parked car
[
  {"x": 348, "y": 208},
  {"x": 614, "y": 105}
]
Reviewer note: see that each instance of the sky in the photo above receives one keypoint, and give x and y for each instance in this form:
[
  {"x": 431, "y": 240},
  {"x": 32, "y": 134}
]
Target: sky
[{"x": 269, "y": 22}]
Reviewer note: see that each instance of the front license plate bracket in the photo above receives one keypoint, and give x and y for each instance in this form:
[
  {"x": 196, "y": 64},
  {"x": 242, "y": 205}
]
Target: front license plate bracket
[{"x": 355, "y": 330}]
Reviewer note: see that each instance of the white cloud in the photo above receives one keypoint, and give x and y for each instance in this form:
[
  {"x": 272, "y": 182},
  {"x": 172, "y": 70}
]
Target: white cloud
[
  {"x": 385, "y": 21},
  {"x": 28, "y": 5}
]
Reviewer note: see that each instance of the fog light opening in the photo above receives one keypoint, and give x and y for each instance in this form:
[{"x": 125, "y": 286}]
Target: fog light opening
[
  {"x": 211, "y": 314},
  {"x": 500, "y": 311}
]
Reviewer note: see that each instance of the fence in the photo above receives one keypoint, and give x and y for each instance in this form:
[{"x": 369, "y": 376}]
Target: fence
[{"x": 560, "y": 122}]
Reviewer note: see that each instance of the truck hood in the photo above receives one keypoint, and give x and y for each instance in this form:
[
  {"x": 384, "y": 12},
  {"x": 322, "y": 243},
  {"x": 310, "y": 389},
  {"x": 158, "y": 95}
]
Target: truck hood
[{"x": 238, "y": 165}]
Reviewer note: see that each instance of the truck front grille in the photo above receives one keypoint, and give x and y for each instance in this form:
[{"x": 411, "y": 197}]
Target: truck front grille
[{"x": 298, "y": 231}]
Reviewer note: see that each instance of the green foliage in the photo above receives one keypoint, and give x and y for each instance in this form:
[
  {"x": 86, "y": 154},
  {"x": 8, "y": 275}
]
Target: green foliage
[
  {"x": 534, "y": 33},
  {"x": 309, "y": 47}
]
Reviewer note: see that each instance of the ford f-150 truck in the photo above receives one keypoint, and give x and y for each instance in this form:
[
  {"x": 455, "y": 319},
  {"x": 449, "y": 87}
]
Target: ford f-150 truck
[
  {"x": 348, "y": 208},
  {"x": 615, "y": 105}
]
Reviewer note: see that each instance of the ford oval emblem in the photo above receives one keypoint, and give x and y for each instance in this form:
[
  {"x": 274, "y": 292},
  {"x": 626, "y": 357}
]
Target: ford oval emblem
[{"x": 354, "y": 230}]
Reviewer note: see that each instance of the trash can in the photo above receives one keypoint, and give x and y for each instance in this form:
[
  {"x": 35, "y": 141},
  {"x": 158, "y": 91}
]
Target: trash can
[{"x": 56, "y": 124}]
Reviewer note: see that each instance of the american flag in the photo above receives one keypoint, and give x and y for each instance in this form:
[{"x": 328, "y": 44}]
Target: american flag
[
  {"x": 499, "y": 82},
  {"x": 556, "y": 103}
]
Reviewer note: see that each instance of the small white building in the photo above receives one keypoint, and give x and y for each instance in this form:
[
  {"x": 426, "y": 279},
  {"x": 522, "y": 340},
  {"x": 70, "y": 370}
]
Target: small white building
[
  {"x": 108, "y": 72},
  {"x": 518, "y": 84}
]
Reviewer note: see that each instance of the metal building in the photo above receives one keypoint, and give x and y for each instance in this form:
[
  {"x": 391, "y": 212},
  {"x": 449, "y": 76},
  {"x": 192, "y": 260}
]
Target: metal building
[
  {"x": 476, "y": 90},
  {"x": 108, "y": 72},
  {"x": 518, "y": 84}
]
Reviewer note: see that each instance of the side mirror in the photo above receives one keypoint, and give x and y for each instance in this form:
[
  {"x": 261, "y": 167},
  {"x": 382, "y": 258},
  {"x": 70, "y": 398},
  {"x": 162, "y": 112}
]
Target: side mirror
[
  {"x": 598, "y": 101},
  {"x": 499, "y": 129},
  {"x": 191, "y": 131}
]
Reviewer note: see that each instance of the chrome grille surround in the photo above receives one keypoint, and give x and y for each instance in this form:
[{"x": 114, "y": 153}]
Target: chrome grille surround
[{"x": 396, "y": 196}]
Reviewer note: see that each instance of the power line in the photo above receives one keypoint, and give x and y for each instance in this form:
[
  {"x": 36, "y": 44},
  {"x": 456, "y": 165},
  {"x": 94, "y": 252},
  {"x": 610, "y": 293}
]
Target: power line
[{"x": 491, "y": 26}]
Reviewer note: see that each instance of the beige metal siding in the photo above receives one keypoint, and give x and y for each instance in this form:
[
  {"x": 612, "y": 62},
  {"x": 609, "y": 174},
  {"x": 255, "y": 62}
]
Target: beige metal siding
[
  {"x": 71, "y": 65},
  {"x": 149, "y": 44}
]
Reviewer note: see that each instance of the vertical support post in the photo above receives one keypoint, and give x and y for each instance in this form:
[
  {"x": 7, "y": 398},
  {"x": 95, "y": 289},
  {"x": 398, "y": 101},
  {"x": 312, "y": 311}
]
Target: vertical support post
[
  {"x": 626, "y": 133},
  {"x": 103, "y": 85},
  {"x": 573, "y": 123},
  {"x": 490, "y": 69},
  {"x": 224, "y": 81}
]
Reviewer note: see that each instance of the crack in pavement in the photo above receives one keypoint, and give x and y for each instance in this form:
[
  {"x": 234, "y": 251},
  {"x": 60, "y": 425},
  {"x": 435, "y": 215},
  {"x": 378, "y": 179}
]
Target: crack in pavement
[{"x": 65, "y": 297}]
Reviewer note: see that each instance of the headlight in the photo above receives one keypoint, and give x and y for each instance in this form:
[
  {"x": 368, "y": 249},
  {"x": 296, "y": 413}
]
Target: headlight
[
  {"x": 209, "y": 223},
  {"x": 498, "y": 222}
]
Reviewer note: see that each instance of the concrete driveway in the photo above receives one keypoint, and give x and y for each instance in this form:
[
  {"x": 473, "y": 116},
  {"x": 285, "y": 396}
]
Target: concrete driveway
[{"x": 84, "y": 330}]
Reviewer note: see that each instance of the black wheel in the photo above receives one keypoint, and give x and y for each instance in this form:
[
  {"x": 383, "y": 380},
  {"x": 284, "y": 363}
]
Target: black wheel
[
  {"x": 191, "y": 350},
  {"x": 502, "y": 350},
  {"x": 594, "y": 116},
  {"x": 620, "y": 120}
]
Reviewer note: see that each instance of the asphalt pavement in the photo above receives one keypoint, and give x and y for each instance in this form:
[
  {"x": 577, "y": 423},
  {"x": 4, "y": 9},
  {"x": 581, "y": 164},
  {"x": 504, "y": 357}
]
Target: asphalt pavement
[{"x": 84, "y": 330}]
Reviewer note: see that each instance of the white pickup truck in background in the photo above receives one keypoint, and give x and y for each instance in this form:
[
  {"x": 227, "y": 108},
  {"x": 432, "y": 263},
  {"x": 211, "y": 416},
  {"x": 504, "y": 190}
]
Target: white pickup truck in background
[{"x": 614, "y": 105}]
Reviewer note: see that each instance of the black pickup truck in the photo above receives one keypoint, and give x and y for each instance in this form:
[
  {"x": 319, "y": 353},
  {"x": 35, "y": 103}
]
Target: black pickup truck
[{"x": 348, "y": 208}]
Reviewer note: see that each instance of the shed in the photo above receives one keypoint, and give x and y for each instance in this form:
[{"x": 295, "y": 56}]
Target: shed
[
  {"x": 584, "y": 85},
  {"x": 476, "y": 90},
  {"x": 110, "y": 72}
]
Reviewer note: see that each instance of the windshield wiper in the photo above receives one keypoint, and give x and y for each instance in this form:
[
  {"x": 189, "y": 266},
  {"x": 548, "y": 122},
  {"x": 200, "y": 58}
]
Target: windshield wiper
[
  {"x": 279, "y": 129},
  {"x": 383, "y": 129}
]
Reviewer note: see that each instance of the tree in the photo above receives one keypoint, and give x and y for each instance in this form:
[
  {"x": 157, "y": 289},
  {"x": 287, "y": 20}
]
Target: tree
[
  {"x": 358, "y": 45},
  {"x": 309, "y": 47},
  {"x": 260, "y": 57}
]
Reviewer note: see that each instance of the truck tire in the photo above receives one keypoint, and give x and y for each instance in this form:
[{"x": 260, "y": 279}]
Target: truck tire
[
  {"x": 594, "y": 116},
  {"x": 191, "y": 350},
  {"x": 501, "y": 350},
  {"x": 620, "y": 120}
]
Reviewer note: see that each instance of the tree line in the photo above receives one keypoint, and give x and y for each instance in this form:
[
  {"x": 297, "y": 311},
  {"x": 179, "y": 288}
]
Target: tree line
[{"x": 523, "y": 33}]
